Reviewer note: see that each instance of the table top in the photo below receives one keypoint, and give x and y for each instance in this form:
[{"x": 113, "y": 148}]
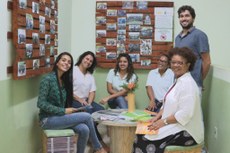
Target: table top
[{"x": 113, "y": 117}]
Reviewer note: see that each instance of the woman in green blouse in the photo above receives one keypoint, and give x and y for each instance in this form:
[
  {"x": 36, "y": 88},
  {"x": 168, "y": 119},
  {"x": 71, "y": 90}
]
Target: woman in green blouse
[{"x": 55, "y": 97}]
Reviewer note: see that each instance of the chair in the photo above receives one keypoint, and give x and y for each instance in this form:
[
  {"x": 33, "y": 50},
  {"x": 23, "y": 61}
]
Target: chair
[
  {"x": 61, "y": 141},
  {"x": 184, "y": 149}
]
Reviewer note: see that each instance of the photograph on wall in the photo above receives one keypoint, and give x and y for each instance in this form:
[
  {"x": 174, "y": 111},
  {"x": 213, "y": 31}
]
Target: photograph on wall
[
  {"x": 42, "y": 50},
  {"x": 147, "y": 19},
  {"x": 121, "y": 26},
  {"x": 21, "y": 68},
  {"x": 134, "y": 18},
  {"x": 134, "y": 47},
  {"x": 35, "y": 7},
  {"x": 47, "y": 39},
  {"x": 100, "y": 49},
  {"x": 121, "y": 12},
  {"x": 134, "y": 27},
  {"x": 111, "y": 41},
  {"x": 47, "y": 62},
  {"x": 134, "y": 36},
  {"x": 142, "y": 5},
  {"x": 121, "y": 20},
  {"x": 55, "y": 14},
  {"x": 43, "y": 2},
  {"x": 21, "y": 36},
  {"x": 135, "y": 57},
  {"x": 111, "y": 26},
  {"x": 36, "y": 64},
  {"x": 100, "y": 33},
  {"x": 22, "y": 4},
  {"x": 29, "y": 21},
  {"x": 52, "y": 4},
  {"x": 101, "y": 6},
  {"x": 55, "y": 40},
  {"x": 146, "y": 62},
  {"x": 100, "y": 20},
  {"x": 146, "y": 31},
  {"x": 121, "y": 32},
  {"x": 29, "y": 50},
  {"x": 111, "y": 56},
  {"x": 52, "y": 51},
  {"x": 52, "y": 26},
  {"x": 120, "y": 47},
  {"x": 121, "y": 38},
  {"x": 35, "y": 38},
  {"x": 42, "y": 26},
  {"x": 47, "y": 11},
  {"x": 127, "y": 4},
  {"x": 111, "y": 13},
  {"x": 146, "y": 47}
]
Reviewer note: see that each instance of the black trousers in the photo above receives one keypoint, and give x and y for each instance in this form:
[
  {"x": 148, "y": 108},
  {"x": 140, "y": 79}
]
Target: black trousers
[{"x": 143, "y": 145}]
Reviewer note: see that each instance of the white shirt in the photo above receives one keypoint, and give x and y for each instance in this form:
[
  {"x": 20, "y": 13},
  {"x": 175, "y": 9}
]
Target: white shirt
[
  {"x": 83, "y": 84},
  {"x": 160, "y": 84},
  {"x": 184, "y": 102},
  {"x": 117, "y": 81}
]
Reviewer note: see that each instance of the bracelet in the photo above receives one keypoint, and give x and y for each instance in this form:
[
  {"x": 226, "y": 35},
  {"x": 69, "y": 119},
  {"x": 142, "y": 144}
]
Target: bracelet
[{"x": 165, "y": 121}]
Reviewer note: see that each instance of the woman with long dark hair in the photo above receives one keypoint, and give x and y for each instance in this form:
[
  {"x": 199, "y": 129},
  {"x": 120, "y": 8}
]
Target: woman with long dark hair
[
  {"x": 54, "y": 101},
  {"x": 122, "y": 74}
]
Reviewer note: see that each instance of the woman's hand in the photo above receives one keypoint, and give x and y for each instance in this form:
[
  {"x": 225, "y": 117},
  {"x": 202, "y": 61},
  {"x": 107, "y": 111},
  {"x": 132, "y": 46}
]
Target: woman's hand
[
  {"x": 151, "y": 105},
  {"x": 155, "y": 125},
  {"x": 70, "y": 110},
  {"x": 104, "y": 100}
]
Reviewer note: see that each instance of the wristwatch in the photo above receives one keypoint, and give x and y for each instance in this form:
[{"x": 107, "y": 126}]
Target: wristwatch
[{"x": 165, "y": 121}]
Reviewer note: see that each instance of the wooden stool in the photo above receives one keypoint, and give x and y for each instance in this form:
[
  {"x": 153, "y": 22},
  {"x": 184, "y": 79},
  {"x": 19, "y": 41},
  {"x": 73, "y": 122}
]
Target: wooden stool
[
  {"x": 184, "y": 149},
  {"x": 61, "y": 141}
]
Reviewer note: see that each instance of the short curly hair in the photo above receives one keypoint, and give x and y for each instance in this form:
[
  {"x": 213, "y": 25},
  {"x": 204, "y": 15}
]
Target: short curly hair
[
  {"x": 189, "y": 8},
  {"x": 186, "y": 53}
]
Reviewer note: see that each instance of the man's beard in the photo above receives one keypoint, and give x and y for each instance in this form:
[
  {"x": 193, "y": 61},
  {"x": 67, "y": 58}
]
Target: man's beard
[{"x": 187, "y": 27}]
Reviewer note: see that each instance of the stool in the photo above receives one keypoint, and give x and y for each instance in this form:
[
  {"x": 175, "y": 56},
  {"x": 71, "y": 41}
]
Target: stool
[
  {"x": 61, "y": 141},
  {"x": 184, "y": 149}
]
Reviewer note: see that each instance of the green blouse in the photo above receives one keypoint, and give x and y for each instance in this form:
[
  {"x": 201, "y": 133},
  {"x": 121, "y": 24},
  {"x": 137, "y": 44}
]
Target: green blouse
[{"x": 49, "y": 98}]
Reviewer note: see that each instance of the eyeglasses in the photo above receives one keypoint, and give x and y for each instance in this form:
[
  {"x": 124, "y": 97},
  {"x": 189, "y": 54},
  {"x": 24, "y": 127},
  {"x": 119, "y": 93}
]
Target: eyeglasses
[{"x": 180, "y": 63}]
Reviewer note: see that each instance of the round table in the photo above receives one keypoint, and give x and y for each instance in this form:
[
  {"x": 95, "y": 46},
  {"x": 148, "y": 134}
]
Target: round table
[{"x": 122, "y": 132}]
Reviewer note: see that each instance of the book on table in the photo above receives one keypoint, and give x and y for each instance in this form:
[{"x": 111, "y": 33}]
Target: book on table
[{"x": 142, "y": 128}]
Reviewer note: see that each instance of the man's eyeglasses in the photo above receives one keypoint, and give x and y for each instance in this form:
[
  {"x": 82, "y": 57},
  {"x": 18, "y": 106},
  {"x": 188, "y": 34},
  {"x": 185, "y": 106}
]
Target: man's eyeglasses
[{"x": 180, "y": 63}]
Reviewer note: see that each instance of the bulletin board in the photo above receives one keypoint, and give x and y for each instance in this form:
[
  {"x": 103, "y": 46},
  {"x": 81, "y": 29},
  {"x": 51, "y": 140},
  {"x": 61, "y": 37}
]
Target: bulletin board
[
  {"x": 143, "y": 29},
  {"x": 35, "y": 36}
]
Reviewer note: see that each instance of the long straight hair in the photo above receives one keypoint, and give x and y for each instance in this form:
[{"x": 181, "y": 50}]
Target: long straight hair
[{"x": 67, "y": 78}]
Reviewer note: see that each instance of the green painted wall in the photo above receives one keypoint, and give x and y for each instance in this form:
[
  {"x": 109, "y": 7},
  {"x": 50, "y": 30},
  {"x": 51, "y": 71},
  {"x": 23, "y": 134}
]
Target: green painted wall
[
  {"x": 19, "y": 130},
  {"x": 218, "y": 116}
]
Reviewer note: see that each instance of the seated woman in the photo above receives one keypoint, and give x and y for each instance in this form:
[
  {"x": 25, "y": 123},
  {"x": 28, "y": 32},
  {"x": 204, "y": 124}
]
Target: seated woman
[
  {"x": 158, "y": 82},
  {"x": 55, "y": 97},
  {"x": 180, "y": 122},
  {"x": 84, "y": 86},
  {"x": 122, "y": 74}
]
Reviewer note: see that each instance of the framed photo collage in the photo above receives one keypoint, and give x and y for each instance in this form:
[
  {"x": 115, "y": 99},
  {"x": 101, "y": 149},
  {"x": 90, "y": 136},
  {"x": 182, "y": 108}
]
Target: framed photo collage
[
  {"x": 35, "y": 36},
  {"x": 143, "y": 29}
]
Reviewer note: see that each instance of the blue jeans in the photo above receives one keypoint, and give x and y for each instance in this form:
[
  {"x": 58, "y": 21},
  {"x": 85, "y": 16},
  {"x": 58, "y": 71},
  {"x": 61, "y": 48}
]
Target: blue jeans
[
  {"x": 81, "y": 123},
  {"x": 95, "y": 107},
  {"x": 118, "y": 102}
]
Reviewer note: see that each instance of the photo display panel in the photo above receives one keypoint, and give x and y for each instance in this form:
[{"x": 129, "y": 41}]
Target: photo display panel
[
  {"x": 35, "y": 36},
  {"x": 143, "y": 29}
]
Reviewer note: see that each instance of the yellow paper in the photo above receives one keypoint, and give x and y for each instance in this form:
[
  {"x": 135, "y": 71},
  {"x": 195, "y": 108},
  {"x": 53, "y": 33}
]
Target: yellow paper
[{"x": 142, "y": 128}]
